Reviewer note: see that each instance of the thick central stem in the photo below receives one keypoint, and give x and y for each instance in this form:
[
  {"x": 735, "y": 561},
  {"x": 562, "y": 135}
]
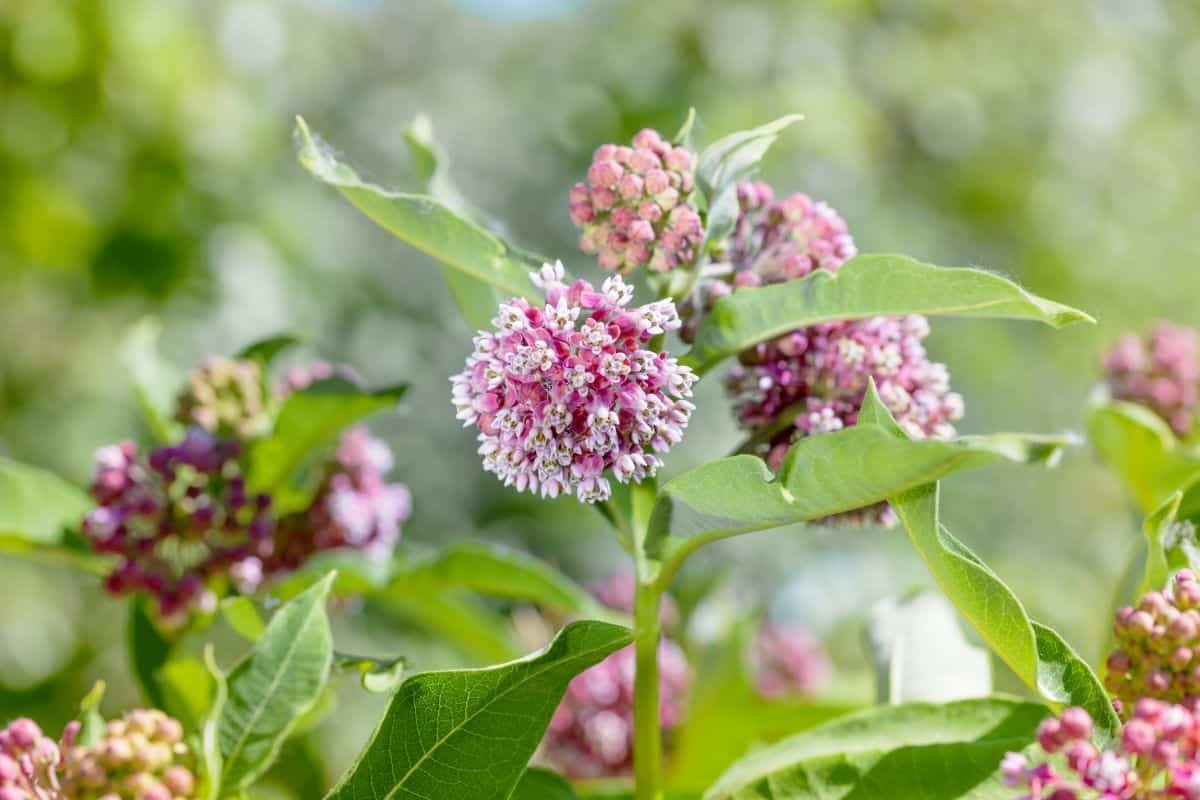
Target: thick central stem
[{"x": 647, "y": 733}]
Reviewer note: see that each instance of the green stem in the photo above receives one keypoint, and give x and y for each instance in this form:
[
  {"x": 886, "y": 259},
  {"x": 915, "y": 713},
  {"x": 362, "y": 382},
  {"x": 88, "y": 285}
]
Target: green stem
[{"x": 647, "y": 736}]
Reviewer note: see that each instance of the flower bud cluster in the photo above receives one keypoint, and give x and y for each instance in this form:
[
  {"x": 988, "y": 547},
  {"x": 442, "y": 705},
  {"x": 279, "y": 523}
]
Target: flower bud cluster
[
  {"x": 564, "y": 391},
  {"x": 1162, "y": 373},
  {"x": 635, "y": 208},
  {"x": 591, "y": 732},
  {"x": 1157, "y": 651},
  {"x": 1156, "y": 758},
  {"x": 29, "y": 763},
  {"x": 788, "y": 660},
  {"x": 226, "y": 397},
  {"x": 141, "y": 756}
]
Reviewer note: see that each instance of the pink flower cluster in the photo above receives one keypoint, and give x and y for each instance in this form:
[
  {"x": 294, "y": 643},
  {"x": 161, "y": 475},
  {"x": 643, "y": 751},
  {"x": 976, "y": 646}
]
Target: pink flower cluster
[
  {"x": 591, "y": 732},
  {"x": 176, "y": 519},
  {"x": 1157, "y": 651},
  {"x": 635, "y": 207},
  {"x": 565, "y": 391},
  {"x": 141, "y": 756},
  {"x": 29, "y": 763},
  {"x": 788, "y": 660},
  {"x": 1156, "y": 759},
  {"x": 1162, "y": 374}
]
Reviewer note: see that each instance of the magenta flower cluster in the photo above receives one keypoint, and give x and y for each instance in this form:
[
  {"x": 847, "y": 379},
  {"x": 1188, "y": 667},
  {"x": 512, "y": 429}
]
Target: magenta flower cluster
[
  {"x": 141, "y": 756},
  {"x": 1157, "y": 651},
  {"x": 29, "y": 763},
  {"x": 184, "y": 528},
  {"x": 635, "y": 208},
  {"x": 564, "y": 392},
  {"x": 591, "y": 732},
  {"x": 1162, "y": 373},
  {"x": 787, "y": 660},
  {"x": 1156, "y": 759}
]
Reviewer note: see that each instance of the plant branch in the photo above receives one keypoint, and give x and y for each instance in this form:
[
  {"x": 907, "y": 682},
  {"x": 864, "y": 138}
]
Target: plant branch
[{"x": 647, "y": 734}]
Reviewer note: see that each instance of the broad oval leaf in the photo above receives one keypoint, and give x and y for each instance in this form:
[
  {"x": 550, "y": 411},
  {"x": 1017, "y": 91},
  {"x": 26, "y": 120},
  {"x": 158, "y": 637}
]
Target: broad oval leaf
[
  {"x": 37, "y": 506},
  {"x": 821, "y": 475},
  {"x": 916, "y": 751},
  {"x": 309, "y": 420},
  {"x": 274, "y": 685},
  {"x": 424, "y": 222},
  {"x": 149, "y": 650},
  {"x": 866, "y": 286},
  {"x": 469, "y": 734},
  {"x": 1136, "y": 444},
  {"x": 1034, "y": 652}
]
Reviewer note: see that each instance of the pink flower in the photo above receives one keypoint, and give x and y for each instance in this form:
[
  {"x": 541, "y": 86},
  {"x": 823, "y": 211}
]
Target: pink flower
[
  {"x": 564, "y": 393},
  {"x": 634, "y": 208},
  {"x": 142, "y": 755},
  {"x": 29, "y": 763},
  {"x": 1162, "y": 374},
  {"x": 788, "y": 660}
]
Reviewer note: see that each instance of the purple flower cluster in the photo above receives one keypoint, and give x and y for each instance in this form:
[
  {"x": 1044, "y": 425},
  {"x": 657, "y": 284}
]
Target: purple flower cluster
[
  {"x": 1162, "y": 374},
  {"x": 176, "y": 519},
  {"x": 591, "y": 732},
  {"x": 635, "y": 207},
  {"x": 141, "y": 756},
  {"x": 29, "y": 763},
  {"x": 788, "y": 660},
  {"x": 563, "y": 392},
  {"x": 226, "y": 397},
  {"x": 1157, "y": 758},
  {"x": 1157, "y": 651}
]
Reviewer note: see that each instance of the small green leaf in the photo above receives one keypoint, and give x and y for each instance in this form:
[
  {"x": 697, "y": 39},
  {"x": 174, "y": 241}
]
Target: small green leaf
[
  {"x": 149, "y": 650},
  {"x": 309, "y": 420},
  {"x": 424, "y": 222},
  {"x": 210, "y": 737},
  {"x": 91, "y": 728},
  {"x": 916, "y": 751},
  {"x": 243, "y": 617},
  {"x": 1136, "y": 444},
  {"x": 187, "y": 688},
  {"x": 275, "y": 684},
  {"x": 1037, "y": 655},
  {"x": 865, "y": 286},
  {"x": 155, "y": 379},
  {"x": 378, "y": 676},
  {"x": 265, "y": 351},
  {"x": 468, "y": 734},
  {"x": 542, "y": 784}
]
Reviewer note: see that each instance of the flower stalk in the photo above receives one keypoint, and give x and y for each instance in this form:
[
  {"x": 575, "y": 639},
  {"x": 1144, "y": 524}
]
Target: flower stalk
[{"x": 647, "y": 735}]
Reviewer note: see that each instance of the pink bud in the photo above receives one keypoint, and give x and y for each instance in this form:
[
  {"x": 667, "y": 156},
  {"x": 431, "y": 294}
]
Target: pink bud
[
  {"x": 679, "y": 159},
  {"x": 603, "y": 199},
  {"x": 657, "y": 182},
  {"x": 641, "y": 231},
  {"x": 648, "y": 139},
  {"x": 631, "y": 186},
  {"x": 644, "y": 160},
  {"x": 581, "y": 213},
  {"x": 650, "y": 211},
  {"x": 604, "y": 174},
  {"x": 1049, "y": 735},
  {"x": 1137, "y": 737},
  {"x": 1076, "y": 723}
]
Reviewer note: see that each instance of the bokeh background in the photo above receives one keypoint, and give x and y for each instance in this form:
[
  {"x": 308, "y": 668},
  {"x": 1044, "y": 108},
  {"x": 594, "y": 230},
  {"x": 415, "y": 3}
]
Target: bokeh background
[{"x": 147, "y": 169}]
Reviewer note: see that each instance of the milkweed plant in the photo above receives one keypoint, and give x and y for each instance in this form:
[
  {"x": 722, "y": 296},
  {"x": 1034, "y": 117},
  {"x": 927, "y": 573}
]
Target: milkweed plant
[{"x": 262, "y": 489}]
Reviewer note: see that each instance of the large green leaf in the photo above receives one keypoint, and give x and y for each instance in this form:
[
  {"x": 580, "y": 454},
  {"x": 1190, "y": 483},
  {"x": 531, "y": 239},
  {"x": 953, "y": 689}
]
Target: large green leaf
[
  {"x": 274, "y": 685},
  {"x": 468, "y": 734},
  {"x": 821, "y": 475},
  {"x": 37, "y": 506},
  {"x": 309, "y": 420},
  {"x": 149, "y": 650},
  {"x": 1034, "y": 652},
  {"x": 424, "y": 222},
  {"x": 542, "y": 784},
  {"x": 865, "y": 286},
  {"x": 1135, "y": 443},
  {"x": 917, "y": 751}
]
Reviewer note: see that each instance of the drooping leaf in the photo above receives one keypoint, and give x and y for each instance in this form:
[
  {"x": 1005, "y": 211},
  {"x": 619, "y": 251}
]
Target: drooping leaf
[
  {"x": 1136, "y": 444},
  {"x": 866, "y": 286},
  {"x": 728, "y": 160},
  {"x": 821, "y": 476},
  {"x": 265, "y": 351},
  {"x": 155, "y": 379},
  {"x": 424, "y": 222},
  {"x": 377, "y": 675},
  {"x": 309, "y": 420},
  {"x": 469, "y": 734},
  {"x": 149, "y": 650},
  {"x": 36, "y": 507},
  {"x": 542, "y": 784},
  {"x": 276, "y": 683},
  {"x": 920, "y": 653},
  {"x": 243, "y": 617},
  {"x": 1037, "y": 654},
  {"x": 916, "y": 751}
]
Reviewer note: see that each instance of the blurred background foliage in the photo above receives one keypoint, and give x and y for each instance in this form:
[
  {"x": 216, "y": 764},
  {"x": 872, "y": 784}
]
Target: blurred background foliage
[{"x": 146, "y": 168}]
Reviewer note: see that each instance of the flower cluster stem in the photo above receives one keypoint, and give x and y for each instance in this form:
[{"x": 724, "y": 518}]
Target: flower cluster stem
[{"x": 647, "y": 734}]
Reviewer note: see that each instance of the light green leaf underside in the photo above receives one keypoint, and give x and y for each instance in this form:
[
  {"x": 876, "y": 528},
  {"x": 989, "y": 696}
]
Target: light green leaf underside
[
  {"x": 273, "y": 686},
  {"x": 37, "y": 506},
  {"x": 917, "y": 751},
  {"x": 424, "y": 222},
  {"x": 1034, "y": 652},
  {"x": 866, "y": 286},
  {"x": 1135, "y": 443},
  {"x": 468, "y": 734}
]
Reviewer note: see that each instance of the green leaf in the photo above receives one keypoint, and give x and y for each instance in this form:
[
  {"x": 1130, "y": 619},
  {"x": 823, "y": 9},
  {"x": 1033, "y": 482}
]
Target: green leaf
[
  {"x": 155, "y": 379},
  {"x": 459, "y": 619},
  {"x": 821, "y": 475},
  {"x": 542, "y": 784},
  {"x": 865, "y": 286},
  {"x": 1037, "y": 655},
  {"x": 149, "y": 650},
  {"x": 309, "y": 420},
  {"x": 495, "y": 572},
  {"x": 424, "y": 222},
  {"x": 468, "y": 734},
  {"x": 728, "y": 160},
  {"x": 1136, "y": 444},
  {"x": 91, "y": 728},
  {"x": 210, "y": 738},
  {"x": 377, "y": 675},
  {"x": 917, "y": 751},
  {"x": 37, "y": 506},
  {"x": 274, "y": 685},
  {"x": 187, "y": 689},
  {"x": 243, "y": 617},
  {"x": 264, "y": 351}
]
